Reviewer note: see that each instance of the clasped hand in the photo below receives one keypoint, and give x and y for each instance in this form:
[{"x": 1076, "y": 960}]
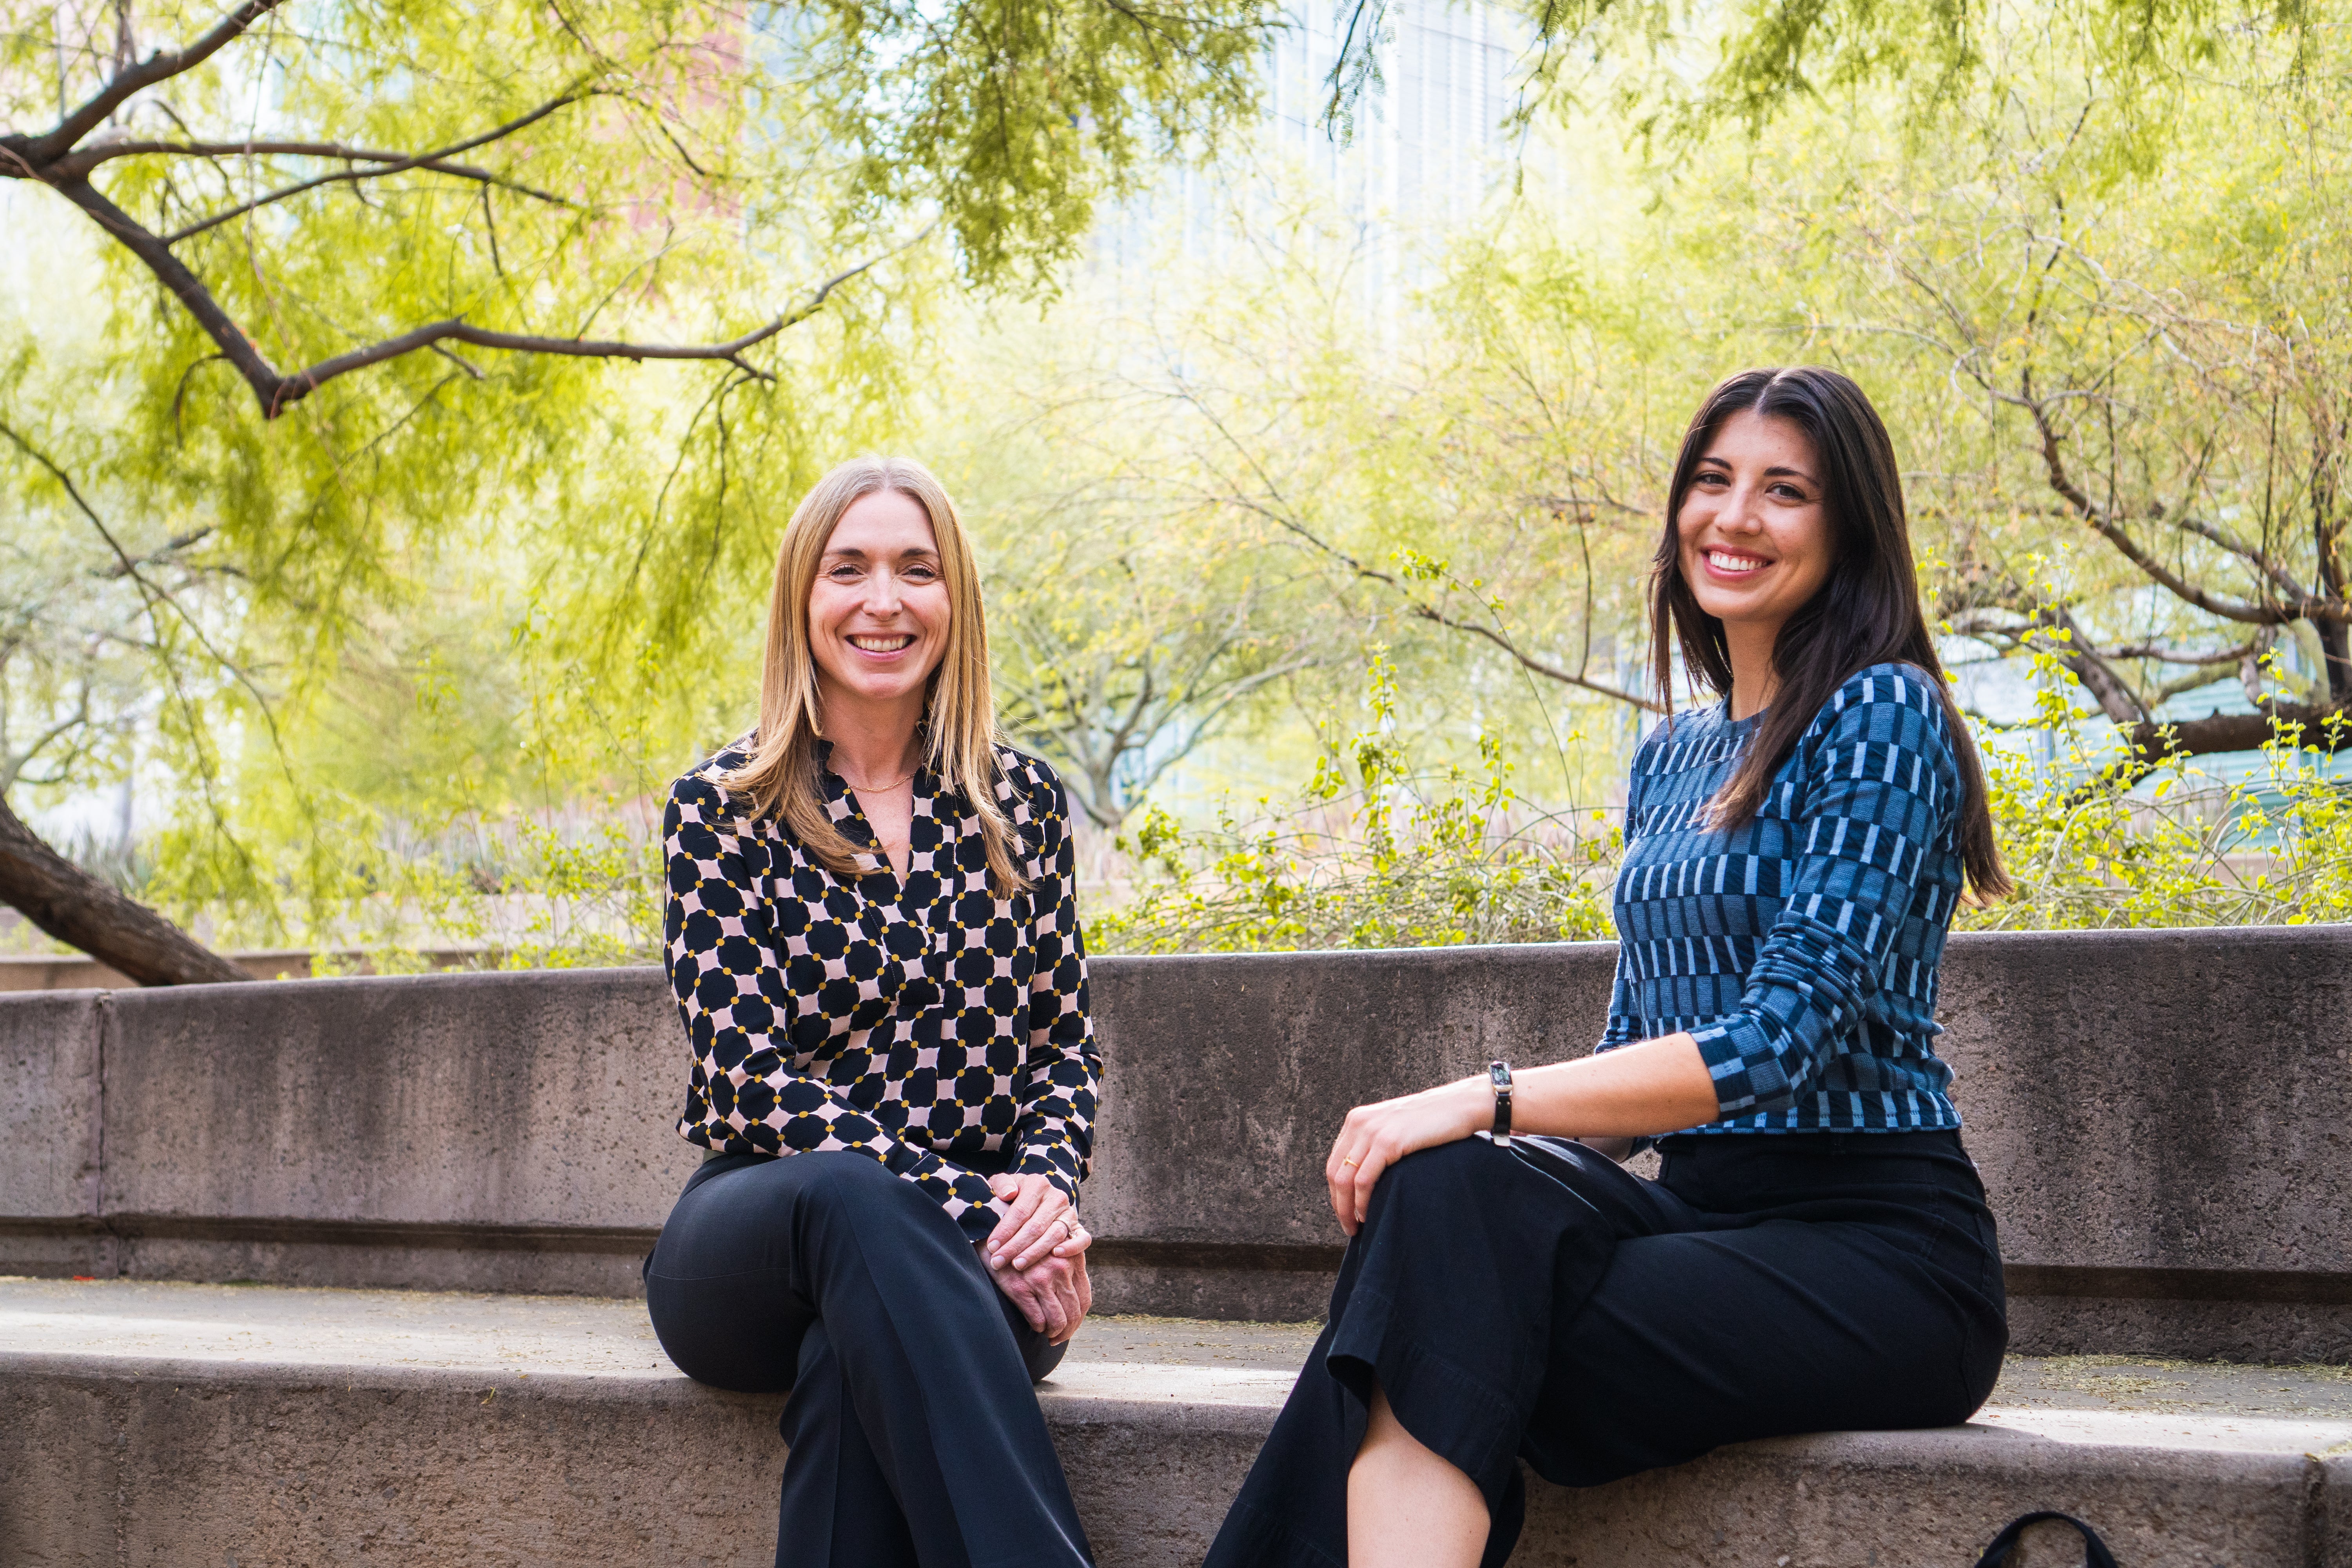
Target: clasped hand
[{"x": 1036, "y": 1255}]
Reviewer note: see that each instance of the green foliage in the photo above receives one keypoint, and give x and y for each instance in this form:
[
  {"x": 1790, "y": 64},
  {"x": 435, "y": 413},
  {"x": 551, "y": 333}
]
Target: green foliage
[
  {"x": 1376, "y": 851},
  {"x": 425, "y": 647},
  {"x": 2176, "y": 849},
  {"x": 1685, "y": 76},
  {"x": 427, "y": 616}
]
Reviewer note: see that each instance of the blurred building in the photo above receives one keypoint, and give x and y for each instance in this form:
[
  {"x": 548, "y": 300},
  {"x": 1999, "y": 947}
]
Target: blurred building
[{"x": 1415, "y": 153}]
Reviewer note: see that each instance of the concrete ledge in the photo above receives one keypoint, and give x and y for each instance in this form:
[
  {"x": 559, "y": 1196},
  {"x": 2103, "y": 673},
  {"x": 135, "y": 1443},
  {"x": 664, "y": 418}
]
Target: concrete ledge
[
  {"x": 315, "y": 1426},
  {"x": 2165, "y": 1183},
  {"x": 78, "y": 971}
]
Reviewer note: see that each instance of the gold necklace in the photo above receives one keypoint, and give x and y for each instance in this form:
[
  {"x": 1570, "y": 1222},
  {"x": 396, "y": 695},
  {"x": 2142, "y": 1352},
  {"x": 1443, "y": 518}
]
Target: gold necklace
[{"x": 877, "y": 789}]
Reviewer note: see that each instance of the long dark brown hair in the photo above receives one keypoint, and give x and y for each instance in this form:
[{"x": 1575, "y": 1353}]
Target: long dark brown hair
[{"x": 1866, "y": 613}]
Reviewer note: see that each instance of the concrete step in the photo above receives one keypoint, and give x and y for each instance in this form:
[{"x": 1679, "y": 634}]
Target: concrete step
[{"x": 145, "y": 1423}]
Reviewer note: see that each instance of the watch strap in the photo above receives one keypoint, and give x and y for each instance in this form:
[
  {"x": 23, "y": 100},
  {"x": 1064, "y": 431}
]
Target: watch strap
[{"x": 1499, "y": 1074}]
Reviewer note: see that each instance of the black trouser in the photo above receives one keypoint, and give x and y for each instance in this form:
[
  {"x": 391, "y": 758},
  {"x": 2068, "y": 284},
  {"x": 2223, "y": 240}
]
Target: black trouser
[
  {"x": 914, "y": 1435},
  {"x": 1546, "y": 1304}
]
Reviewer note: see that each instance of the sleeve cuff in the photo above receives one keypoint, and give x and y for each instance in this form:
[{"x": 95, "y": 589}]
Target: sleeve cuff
[
  {"x": 1051, "y": 1161},
  {"x": 1748, "y": 1071}
]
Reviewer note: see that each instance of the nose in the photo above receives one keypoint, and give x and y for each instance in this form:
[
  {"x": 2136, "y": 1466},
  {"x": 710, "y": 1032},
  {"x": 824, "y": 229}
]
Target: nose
[
  {"x": 1746, "y": 509},
  {"x": 1743, "y": 509},
  {"x": 882, "y": 593}
]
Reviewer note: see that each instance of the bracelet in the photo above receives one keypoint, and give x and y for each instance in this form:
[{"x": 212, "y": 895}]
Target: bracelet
[{"x": 1499, "y": 1074}]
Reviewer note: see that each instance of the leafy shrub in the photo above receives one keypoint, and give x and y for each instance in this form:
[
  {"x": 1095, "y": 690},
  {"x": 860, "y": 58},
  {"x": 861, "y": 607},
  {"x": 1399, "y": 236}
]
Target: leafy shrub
[
  {"x": 2093, "y": 838},
  {"x": 1377, "y": 851}
]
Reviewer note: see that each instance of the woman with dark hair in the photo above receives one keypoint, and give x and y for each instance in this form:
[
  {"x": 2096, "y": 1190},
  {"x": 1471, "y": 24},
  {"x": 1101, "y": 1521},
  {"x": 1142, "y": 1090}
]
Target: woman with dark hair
[{"x": 1815, "y": 1252}]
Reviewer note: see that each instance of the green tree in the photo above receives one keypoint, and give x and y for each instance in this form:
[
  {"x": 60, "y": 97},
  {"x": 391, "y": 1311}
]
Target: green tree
[
  {"x": 2124, "y": 390},
  {"x": 364, "y": 268}
]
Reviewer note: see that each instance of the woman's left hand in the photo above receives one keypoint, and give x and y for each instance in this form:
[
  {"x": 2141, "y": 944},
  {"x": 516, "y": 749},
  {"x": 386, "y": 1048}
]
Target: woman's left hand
[
  {"x": 1053, "y": 1293},
  {"x": 1375, "y": 1137}
]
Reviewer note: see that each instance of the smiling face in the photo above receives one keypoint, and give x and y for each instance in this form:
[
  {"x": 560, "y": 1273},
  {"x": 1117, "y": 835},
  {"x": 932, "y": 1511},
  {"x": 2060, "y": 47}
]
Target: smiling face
[
  {"x": 1755, "y": 538},
  {"x": 878, "y": 610}
]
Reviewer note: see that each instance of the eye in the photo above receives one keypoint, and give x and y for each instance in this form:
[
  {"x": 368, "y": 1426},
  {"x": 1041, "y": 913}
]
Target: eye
[
  {"x": 842, "y": 572},
  {"x": 921, "y": 572}
]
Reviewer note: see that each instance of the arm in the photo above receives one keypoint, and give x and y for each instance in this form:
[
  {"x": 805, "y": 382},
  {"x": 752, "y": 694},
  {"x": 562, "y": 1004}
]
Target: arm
[
  {"x": 1881, "y": 787},
  {"x": 1040, "y": 1265},
  {"x": 1617, "y": 1033},
  {"x": 725, "y": 969},
  {"x": 1063, "y": 1072},
  {"x": 1657, "y": 1086}
]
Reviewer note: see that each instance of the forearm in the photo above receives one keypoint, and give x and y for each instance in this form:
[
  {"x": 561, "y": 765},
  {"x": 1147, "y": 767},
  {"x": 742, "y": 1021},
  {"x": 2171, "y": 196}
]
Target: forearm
[
  {"x": 1633, "y": 1091},
  {"x": 1657, "y": 1086}
]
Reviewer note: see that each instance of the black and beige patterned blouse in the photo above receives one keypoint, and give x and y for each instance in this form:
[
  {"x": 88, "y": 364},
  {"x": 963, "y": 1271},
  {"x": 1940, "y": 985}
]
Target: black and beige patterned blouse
[{"x": 937, "y": 1027}]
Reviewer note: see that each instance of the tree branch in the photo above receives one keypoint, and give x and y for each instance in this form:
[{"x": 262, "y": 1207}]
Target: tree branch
[
  {"x": 1280, "y": 515},
  {"x": 2071, "y": 647},
  {"x": 278, "y": 391},
  {"x": 158, "y": 66},
  {"x": 2325, "y": 728},
  {"x": 2114, "y": 533},
  {"x": 78, "y": 166},
  {"x": 98, "y": 918},
  {"x": 434, "y": 160},
  {"x": 174, "y": 274}
]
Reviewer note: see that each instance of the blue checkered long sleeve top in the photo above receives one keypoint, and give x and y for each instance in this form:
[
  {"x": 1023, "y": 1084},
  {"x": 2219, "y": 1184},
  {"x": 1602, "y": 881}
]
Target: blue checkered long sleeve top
[{"x": 1799, "y": 948}]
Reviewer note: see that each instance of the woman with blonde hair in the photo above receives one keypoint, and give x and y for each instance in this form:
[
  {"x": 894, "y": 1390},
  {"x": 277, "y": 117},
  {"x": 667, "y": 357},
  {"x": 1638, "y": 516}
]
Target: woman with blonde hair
[{"x": 873, "y": 938}]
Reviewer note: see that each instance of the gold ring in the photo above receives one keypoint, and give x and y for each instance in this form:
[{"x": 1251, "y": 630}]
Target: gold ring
[{"x": 1347, "y": 1162}]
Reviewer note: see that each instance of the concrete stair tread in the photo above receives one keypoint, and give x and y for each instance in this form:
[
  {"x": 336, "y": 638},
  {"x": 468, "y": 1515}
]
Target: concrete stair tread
[
  {"x": 2117, "y": 1401},
  {"x": 441, "y": 1428}
]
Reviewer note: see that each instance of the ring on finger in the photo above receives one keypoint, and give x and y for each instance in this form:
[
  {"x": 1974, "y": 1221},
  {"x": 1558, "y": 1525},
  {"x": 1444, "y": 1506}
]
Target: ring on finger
[{"x": 1347, "y": 1162}]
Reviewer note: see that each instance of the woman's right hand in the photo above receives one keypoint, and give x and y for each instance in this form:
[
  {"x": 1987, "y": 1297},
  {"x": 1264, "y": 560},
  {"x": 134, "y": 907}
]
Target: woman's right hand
[{"x": 1375, "y": 1137}]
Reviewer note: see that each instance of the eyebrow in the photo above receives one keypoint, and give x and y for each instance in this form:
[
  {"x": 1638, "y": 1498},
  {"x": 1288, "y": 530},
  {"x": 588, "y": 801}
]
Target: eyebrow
[
  {"x": 909, "y": 553},
  {"x": 1776, "y": 468}
]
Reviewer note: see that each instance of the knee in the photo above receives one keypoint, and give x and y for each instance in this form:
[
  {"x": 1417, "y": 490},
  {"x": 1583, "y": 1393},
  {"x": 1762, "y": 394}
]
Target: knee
[
  {"x": 1442, "y": 1177},
  {"x": 1465, "y": 1163}
]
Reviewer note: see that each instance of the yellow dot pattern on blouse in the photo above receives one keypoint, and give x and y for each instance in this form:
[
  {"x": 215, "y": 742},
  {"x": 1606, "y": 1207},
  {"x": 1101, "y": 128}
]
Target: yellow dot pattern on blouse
[{"x": 927, "y": 1023}]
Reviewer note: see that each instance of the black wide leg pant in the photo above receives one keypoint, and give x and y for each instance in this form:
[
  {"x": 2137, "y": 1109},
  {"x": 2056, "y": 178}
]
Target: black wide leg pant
[
  {"x": 1541, "y": 1302},
  {"x": 915, "y": 1438}
]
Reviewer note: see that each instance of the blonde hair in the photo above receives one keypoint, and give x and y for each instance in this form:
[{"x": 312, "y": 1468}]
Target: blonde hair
[{"x": 784, "y": 777}]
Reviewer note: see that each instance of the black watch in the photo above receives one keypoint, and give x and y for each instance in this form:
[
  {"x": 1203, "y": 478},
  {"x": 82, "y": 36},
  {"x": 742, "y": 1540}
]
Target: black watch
[{"x": 1499, "y": 1073}]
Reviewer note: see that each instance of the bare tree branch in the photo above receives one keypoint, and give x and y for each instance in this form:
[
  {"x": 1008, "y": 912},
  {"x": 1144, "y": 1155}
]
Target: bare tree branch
[
  {"x": 2320, "y": 728},
  {"x": 67, "y": 901},
  {"x": 1281, "y": 514},
  {"x": 278, "y": 391},
  {"x": 98, "y": 918}
]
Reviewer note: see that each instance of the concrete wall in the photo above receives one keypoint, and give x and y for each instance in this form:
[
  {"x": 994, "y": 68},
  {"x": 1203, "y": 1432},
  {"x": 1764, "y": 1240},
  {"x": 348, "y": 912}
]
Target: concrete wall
[{"x": 2160, "y": 1117}]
